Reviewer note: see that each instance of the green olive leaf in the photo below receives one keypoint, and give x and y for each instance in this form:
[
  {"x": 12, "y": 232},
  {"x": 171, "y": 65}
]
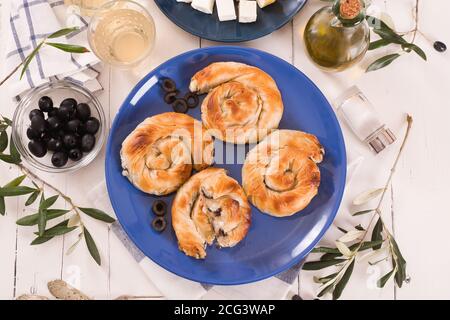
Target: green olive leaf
[
  {"x": 40, "y": 240},
  {"x": 3, "y": 141},
  {"x": 317, "y": 265},
  {"x": 28, "y": 60},
  {"x": 42, "y": 221},
  {"x": 379, "y": 44},
  {"x": 13, "y": 150},
  {"x": 16, "y": 182},
  {"x": 68, "y": 47},
  {"x": 7, "y": 121},
  {"x": 47, "y": 203},
  {"x": 416, "y": 49},
  {"x": 62, "y": 32},
  {"x": 359, "y": 213},
  {"x": 92, "y": 247},
  {"x": 33, "y": 219},
  {"x": 377, "y": 234},
  {"x": 384, "y": 279},
  {"x": 400, "y": 275},
  {"x": 32, "y": 198},
  {"x": 382, "y": 62},
  {"x": 340, "y": 286},
  {"x": 98, "y": 214},
  {"x": 15, "y": 191},
  {"x": 2, "y": 206}
]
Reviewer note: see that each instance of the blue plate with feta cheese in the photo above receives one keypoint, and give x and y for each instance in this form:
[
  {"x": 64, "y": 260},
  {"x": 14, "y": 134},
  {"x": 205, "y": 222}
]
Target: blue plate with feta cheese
[{"x": 208, "y": 26}]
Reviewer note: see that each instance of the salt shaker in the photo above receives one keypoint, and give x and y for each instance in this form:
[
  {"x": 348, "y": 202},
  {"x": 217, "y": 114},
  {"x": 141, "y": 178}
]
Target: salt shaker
[{"x": 362, "y": 118}]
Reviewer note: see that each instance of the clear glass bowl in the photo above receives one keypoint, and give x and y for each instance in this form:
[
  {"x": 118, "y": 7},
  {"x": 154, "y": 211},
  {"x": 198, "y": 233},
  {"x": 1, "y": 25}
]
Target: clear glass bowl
[{"x": 58, "y": 91}]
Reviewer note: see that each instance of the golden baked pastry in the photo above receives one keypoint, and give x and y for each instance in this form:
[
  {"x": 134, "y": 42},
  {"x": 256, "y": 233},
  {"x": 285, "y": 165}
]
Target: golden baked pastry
[
  {"x": 243, "y": 104},
  {"x": 210, "y": 206},
  {"x": 158, "y": 156},
  {"x": 280, "y": 175}
]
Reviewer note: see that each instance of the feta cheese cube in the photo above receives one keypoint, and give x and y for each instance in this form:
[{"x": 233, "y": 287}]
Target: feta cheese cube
[
  {"x": 247, "y": 11},
  {"x": 205, "y": 6},
  {"x": 264, "y": 3},
  {"x": 225, "y": 10}
]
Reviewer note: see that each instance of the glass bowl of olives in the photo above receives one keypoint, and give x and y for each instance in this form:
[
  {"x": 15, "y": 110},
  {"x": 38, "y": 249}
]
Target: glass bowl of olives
[{"x": 59, "y": 126}]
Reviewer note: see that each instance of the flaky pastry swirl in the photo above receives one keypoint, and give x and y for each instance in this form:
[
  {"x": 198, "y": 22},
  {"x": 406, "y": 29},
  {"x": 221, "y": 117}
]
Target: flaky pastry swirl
[
  {"x": 280, "y": 175},
  {"x": 159, "y": 155},
  {"x": 210, "y": 206},
  {"x": 243, "y": 104}
]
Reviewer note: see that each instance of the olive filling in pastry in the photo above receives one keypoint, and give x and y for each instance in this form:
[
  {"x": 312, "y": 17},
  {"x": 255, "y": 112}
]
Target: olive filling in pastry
[
  {"x": 243, "y": 104},
  {"x": 159, "y": 155},
  {"x": 210, "y": 206},
  {"x": 280, "y": 175}
]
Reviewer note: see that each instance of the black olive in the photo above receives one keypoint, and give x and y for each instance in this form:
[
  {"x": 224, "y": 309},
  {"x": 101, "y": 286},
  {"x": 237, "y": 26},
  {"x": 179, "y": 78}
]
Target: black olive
[
  {"x": 70, "y": 141},
  {"x": 75, "y": 154},
  {"x": 65, "y": 113},
  {"x": 58, "y": 133},
  {"x": 69, "y": 103},
  {"x": 296, "y": 297},
  {"x": 440, "y": 46},
  {"x": 170, "y": 97},
  {"x": 159, "y": 208},
  {"x": 92, "y": 125},
  {"x": 53, "y": 112},
  {"x": 36, "y": 112},
  {"x": 169, "y": 85},
  {"x": 45, "y": 104},
  {"x": 38, "y": 124},
  {"x": 159, "y": 224},
  {"x": 180, "y": 106},
  {"x": 54, "y": 144},
  {"x": 54, "y": 123},
  {"x": 33, "y": 134},
  {"x": 73, "y": 125},
  {"x": 87, "y": 142},
  {"x": 45, "y": 137},
  {"x": 37, "y": 148},
  {"x": 191, "y": 100},
  {"x": 82, "y": 111},
  {"x": 59, "y": 158}
]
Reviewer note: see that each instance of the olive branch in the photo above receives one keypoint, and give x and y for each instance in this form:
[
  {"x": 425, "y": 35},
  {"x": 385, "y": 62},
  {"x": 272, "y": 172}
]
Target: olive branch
[
  {"x": 45, "y": 212},
  {"x": 381, "y": 241}
]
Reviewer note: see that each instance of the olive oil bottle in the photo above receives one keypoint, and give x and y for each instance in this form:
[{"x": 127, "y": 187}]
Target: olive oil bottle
[{"x": 338, "y": 36}]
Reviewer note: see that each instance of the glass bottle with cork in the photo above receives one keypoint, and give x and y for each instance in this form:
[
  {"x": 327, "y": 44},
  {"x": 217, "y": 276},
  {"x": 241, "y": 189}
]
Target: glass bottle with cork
[{"x": 338, "y": 36}]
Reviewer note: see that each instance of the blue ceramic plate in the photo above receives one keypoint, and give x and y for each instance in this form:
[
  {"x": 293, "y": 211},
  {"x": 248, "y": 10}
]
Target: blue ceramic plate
[
  {"x": 272, "y": 244},
  {"x": 209, "y": 27}
]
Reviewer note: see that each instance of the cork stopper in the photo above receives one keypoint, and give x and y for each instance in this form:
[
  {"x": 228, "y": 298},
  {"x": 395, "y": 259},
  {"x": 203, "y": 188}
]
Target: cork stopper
[{"x": 349, "y": 9}]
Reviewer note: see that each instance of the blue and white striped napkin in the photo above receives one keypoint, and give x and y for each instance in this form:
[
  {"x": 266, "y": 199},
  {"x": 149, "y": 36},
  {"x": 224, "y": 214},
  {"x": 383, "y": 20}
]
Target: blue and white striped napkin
[{"x": 30, "y": 21}]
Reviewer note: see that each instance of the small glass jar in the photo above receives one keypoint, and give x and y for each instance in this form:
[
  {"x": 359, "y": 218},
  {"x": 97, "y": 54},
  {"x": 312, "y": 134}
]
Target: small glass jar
[
  {"x": 360, "y": 115},
  {"x": 333, "y": 45}
]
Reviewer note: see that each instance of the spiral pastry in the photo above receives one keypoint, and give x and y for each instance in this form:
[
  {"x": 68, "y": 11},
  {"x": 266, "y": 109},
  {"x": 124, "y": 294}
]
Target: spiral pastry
[
  {"x": 280, "y": 175},
  {"x": 210, "y": 206},
  {"x": 243, "y": 104},
  {"x": 159, "y": 155}
]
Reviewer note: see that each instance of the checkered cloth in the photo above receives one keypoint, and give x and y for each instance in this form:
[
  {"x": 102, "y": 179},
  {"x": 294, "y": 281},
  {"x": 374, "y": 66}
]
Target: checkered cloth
[{"x": 30, "y": 21}]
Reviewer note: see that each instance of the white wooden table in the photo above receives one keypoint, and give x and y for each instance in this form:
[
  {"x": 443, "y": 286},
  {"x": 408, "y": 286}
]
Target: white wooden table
[{"x": 416, "y": 206}]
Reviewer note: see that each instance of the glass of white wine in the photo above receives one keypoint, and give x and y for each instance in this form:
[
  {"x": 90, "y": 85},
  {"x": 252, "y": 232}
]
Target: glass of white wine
[
  {"x": 122, "y": 33},
  {"x": 87, "y": 7}
]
